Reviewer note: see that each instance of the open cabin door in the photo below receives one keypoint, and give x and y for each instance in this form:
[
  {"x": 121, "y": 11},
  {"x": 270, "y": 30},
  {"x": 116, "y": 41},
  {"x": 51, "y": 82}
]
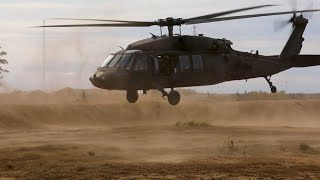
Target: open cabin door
[{"x": 164, "y": 72}]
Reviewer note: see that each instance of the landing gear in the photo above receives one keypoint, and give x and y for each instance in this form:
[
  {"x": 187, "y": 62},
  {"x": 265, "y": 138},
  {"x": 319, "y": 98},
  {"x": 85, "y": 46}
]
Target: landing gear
[
  {"x": 174, "y": 97},
  {"x": 132, "y": 96},
  {"x": 272, "y": 87}
]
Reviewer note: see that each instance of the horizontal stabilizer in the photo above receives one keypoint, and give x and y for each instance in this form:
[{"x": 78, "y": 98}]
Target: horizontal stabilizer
[{"x": 306, "y": 60}]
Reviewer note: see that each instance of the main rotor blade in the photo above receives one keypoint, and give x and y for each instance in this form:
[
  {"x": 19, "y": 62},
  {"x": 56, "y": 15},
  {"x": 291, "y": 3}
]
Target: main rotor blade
[
  {"x": 246, "y": 16},
  {"x": 226, "y": 13},
  {"x": 293, "y": 4},
  {"x": 104, "y": 20},
  {"x": 99, "y": 25}
]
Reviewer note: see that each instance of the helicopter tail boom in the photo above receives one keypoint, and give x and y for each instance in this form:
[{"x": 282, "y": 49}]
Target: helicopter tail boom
[
  {"x": 305, "y": 61},
  {"x": 294, "y": 44}
]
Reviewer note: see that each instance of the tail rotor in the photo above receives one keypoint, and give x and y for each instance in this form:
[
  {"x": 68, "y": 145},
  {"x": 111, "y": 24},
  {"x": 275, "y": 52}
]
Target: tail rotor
[{"x": 281, "y": 24}]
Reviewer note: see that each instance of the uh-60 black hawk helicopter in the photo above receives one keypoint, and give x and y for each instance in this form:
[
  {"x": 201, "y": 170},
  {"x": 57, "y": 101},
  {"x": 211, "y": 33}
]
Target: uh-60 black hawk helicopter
[{"x": 175, "y": 60}]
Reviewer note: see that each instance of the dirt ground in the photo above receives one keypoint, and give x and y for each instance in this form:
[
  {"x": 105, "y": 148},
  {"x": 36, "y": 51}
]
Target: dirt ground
[{"x": 93, "y": 134}]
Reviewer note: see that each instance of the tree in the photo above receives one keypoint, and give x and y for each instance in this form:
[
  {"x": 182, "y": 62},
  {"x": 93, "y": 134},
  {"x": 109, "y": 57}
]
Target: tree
[{"x": 3, "y": 61}]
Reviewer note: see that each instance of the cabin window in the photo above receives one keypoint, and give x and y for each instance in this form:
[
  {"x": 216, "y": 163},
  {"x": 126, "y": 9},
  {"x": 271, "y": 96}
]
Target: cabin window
[
  {"x": 197, "y": 62},
  {"x": 184, "y": 62},
  {"x": 141, "y": 63},
  {"x": 114, "y": 61}
]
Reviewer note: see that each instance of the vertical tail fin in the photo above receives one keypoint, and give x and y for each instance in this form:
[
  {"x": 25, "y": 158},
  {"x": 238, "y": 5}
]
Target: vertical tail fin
[{"x": 294, "y": 44}]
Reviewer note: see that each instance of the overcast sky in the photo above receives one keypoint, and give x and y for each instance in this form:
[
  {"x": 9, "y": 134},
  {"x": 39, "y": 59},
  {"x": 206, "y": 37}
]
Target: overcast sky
[{"x": 73, "y": 54}]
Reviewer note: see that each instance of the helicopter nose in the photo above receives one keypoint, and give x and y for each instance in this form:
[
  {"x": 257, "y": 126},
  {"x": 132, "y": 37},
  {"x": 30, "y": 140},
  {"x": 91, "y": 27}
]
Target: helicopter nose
[
  {"x": 96, "y": 78},
  {"x": 110, "y": 80},
  {"x": 99, "y": 80},
  {"x": 92, "y": 79}
]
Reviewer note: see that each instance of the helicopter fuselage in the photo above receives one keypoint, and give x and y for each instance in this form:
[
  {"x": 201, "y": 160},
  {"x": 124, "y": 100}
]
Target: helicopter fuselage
[{"x": 190, "y": 61}]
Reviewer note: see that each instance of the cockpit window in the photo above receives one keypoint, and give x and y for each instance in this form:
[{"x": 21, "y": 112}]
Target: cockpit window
[
  {"x": 107, "y": 61},
  {"x": 114, "y": 61},
  {"x": 124, "y": 62},
  {"x": 127, "y": 60},
  {"x": 141, "y": 63},
  {"x": 129, "y": 65}
]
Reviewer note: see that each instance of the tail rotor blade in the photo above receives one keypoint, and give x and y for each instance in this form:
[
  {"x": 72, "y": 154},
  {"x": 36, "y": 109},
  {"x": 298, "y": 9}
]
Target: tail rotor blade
[
  {"x": 279, "y": 25},
  {"x": 309, "y": 15}
]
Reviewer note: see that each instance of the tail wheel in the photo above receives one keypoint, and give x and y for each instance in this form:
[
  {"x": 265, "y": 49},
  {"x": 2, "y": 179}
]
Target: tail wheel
[
  {"x": 174, "y": 97},
  {"x": 273, "y": 89},
  {"x": 132, "y": 96}
]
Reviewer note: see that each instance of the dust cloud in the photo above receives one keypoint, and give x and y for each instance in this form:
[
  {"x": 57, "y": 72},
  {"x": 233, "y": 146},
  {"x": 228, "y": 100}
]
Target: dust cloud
[
  {"x": 217, "y": 110},
  {"x": 93, "y": 133},
  {"x": 72, "y": 55}
]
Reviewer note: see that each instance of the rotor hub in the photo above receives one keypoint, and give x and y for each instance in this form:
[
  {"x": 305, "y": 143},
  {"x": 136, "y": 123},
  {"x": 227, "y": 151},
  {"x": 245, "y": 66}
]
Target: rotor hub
[
  {"x": 170, "y": 22},
  {"x": 300, "y": 20}
]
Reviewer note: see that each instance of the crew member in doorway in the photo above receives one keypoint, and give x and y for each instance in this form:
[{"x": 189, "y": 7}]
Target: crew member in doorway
[{"x": 165, "y": 65}]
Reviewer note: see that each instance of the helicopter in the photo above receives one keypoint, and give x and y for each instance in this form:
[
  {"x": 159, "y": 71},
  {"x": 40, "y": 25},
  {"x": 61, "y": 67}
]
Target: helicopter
[{"x": 175, "y": 60}]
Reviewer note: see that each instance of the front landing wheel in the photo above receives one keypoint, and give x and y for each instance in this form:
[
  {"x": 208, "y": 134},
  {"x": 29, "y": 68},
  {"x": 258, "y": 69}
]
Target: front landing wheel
[
  {"x": 174, "y": 97},
  {"x": 132, "y": 96}
]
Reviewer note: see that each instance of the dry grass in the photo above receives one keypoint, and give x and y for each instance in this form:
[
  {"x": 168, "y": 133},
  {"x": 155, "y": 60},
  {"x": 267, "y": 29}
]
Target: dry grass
[
  {"x": 72, "y": 164},
  {"x": 192, "y": 124}
]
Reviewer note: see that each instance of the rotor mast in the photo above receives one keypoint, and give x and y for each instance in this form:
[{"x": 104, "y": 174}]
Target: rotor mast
[{"x": 170, "y": 22}]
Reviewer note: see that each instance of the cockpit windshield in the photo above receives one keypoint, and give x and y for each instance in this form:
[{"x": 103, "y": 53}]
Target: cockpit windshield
[
  {"x": 126, "y": 61},
  {"x": 114, "y": 61},
  {"x": 107, "y": 61},
  {"x": 122, "y": 61}
]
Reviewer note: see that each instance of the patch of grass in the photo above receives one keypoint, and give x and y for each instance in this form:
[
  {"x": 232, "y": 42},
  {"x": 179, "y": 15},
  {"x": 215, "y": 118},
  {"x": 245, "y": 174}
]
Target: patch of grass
[
  {"x": 9, "y": 167},
  {"x": 30, "y": 156},
  {"x": 81, "y": 168},
  {"x": 47, "y": 148},
  {"x": 192, "y": 124},
  {"x": 230, "y": 147},
  {"x": 91, "y": 153},
  {"x": 304, "y": 147}
]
